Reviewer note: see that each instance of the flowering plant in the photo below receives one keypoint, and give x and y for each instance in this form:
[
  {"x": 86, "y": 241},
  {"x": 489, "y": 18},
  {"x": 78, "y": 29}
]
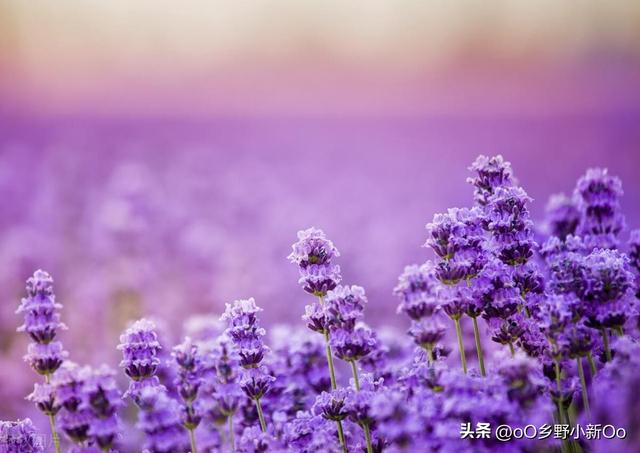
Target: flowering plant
[{"x": 554, "y": 330}]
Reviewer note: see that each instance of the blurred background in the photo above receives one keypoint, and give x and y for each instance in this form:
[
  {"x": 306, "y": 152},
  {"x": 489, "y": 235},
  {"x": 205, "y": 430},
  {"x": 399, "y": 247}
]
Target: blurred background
[{"x": 158, "y": 157}]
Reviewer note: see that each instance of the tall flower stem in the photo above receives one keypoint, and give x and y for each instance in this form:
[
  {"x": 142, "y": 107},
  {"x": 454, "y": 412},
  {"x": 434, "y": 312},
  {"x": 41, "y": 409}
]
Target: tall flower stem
[
  {"x": 263, "y": 424},
  {"x": 192, "y": 434},
  {"x": 52, "y": 423},
  {"x": 365, "y": 426},
  {"x": 476, "y": 334},
  {"x": 460, "y": 344},
  {"x": 367, "y": 437},
  {"x": 343, "y": 442},
  {"x": 54, "y": 433},
  {"x": 592, "y": 365},
  {"x": 562, "y": 414},
  {"x": 605, "y": 341},
  {"x": 232, "y": 434},
  {"x": 332, "y": 373},
  {"x": 512, "y": 350},
  {"x": 192, "y": 439},
  {"x": 354, "y": 371},
  {"x": 334, "y": 383},
  {"x": 583, "y": 384},
  {"x": 429, "y": 350},
  {"x": 561, "y": 411}
]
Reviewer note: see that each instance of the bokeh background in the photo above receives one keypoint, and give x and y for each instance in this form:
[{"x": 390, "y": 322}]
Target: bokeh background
[{"x": 158, "y": 157}]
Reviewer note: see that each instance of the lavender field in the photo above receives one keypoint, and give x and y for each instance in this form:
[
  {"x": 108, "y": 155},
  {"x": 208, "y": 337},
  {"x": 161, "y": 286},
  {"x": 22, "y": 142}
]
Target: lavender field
[
  {"x": 168, "y": 222},
  {"x": 319, "y": 226}
]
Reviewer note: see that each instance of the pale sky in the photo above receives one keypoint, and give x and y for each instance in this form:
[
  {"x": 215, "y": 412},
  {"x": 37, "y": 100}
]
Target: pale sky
[{"x": 67, "y": 51}]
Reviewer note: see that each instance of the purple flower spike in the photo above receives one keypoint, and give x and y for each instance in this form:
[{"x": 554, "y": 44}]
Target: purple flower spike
[
  {"x": 42, "y": 322},
  {"x": 352, "y": 345},
  {"x": 319, "y": 279},
  {"x": 492, "y": 172},
  {"x": 457, "y": 238},
  {"x": 312, "y": 248},
  {"x": 562, "y": 216},
  {"x": 75, "y": 417},
  {"x": 247, "y": 337},
  {"x": 599, "y": 196},
  {"x": 46, "y": 358},
  {"x": 43, "y": 396},
  {"x": 255, "y": 441},
  {"x": 160, "y": 420},
  {"x": 417, "y": 291},
  {"x": 331, "y": 405},
  {"x": 315, "y": 315},
  {"x": 189, "y": 380},
  {"x": 313, "y": 254},
  {"x": 20, "y": 437},
  {"x": 427, "y": 333},
  {"x": 102, "y": 399},
  {"x": 345, "y": 306},
  {"x": 140, "y": 346},
  {"x": 608, "y": 290}
]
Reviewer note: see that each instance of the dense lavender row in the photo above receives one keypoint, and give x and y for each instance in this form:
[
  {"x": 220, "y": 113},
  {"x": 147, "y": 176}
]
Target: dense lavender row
[{"x": 554, "y": 330}]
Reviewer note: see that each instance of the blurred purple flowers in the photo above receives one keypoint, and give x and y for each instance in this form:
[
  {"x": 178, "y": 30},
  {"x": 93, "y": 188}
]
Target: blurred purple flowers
[{"x": 562, "y": 317}]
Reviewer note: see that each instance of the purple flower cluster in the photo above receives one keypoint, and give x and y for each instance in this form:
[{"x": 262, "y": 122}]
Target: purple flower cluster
[
  {"x": 563, "y": 320},
  {"x": 140, "y": 347},
  {"x": 601, "y": 221},
  {"x": 160, "y": 420},
  {"x": 247, "y": 337},
  {"x": 20, "y": 437},
  {"x": 417, "y": 289},
  {"x": 42, "y": 323},
  {"x": 313, "y": 254}
]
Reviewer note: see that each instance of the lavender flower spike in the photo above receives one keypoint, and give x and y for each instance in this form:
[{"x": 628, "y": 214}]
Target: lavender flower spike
[
  {"x": 102, "y": 399},
  {"x": 140, "y": 346},
  {"x": 492, "y": 172},
  {"x": 188, "y": 362},
  {"x": 598, "y": 194},
  {"x": 42, "y": 322},
  {"x": 313, "y": 254},
  {"x": 160, "y": 421},
  {"x": 246, "y": 335},
  {"x": 20, "y": 437}
]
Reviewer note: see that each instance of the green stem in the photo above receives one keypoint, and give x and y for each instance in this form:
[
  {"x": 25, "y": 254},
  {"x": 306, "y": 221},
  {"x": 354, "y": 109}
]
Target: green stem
[
  {"x": 192, "y": 435},
  {"x": 52, "y": 422},
  {"x": 592, "y": 365},
  {"x": 561, "y": 411},
  {"x": 562, "y": 414},
  {"x": 192, "y": 439},
  {"x": 232, "y": 434},
  {"x": 367, "y": 436},
  {"x": 513, "y": 351},
  {"x": 476, "y": 334},
  {"x": 332, "y": 372},
  {"x": 354, "y": 371},
  {"x": 263, "y": 424},
  {"x": 365, "y": 426},
  {"x": 429, "y": 354},
  {"x": 460, "y": 345},
  {"x": 54, "y": 433},
  {"x": 605, "y": 340},
  {"x": 583, "y": 384},
  {"x": 343, "y": 442},
  {"x": 334, "y": 383}
]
